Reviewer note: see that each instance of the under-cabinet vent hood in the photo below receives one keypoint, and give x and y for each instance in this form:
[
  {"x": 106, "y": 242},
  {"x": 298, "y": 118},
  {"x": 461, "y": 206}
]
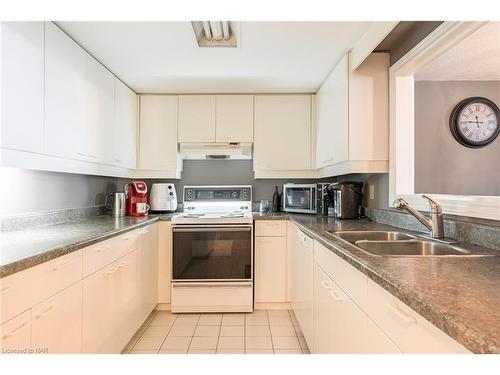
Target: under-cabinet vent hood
[{"x": 216, "y": 151}]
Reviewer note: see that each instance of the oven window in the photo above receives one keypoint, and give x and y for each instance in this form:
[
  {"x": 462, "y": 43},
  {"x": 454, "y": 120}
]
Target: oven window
[
  {"x": 300, "y": 198},
  {"x": 212, "y": 253}
]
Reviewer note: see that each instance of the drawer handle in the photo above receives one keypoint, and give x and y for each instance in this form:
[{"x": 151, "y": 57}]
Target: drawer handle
[
  {"x": 46, "y": 312},
  {"x": 326, "y": 284},
  {"x": 123, "y": 264},
  {"x": 14, "y": 332},
  {"x": 402, "y": 315},
  {"x": 4, "y": 289},
  {"x": 144, "y": 231},
  {"x": 264, "y": 241},
  {"x": 62, "y": 265},
  {"x": 335, "y": 296},
  {"x": 102, "y": 248},
  {"x": 112, "y": 271}
]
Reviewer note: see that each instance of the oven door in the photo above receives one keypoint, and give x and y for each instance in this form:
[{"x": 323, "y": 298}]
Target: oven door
[
  {"x": 300, "y": 198},
  {"x": 212, "y": 253}
]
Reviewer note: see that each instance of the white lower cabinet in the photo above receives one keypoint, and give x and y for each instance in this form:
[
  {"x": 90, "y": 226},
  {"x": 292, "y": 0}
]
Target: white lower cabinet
[
  {"x": 148, "y": 270},
  {"x": 57, "y": 322},
  {"x": 164, "y": 261},
  {"x": 323, "y": 313},
  {"x": 15, "y": 334},
  {"x": 270, "y": 269}
]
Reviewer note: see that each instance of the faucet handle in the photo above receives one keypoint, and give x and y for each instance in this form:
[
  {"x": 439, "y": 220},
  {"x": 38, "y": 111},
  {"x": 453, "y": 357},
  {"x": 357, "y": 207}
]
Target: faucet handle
[
  {"x": 400, "y": 203},
  {"x": 435, "y": 206}
]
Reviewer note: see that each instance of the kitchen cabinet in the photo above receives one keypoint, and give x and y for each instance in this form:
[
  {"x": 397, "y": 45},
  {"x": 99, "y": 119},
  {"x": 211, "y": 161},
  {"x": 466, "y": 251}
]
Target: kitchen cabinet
[
  {"x": 125, "y": 126},
  {"x": 158, "y": 133},
  {"x": 322, "y": 313},
  {"x": 57, "y": 322},
  {"x": 282, "y": 135},
  {"x": 302, "y": 282},
  {"x": 234, "y": 118},
  {"x": 22, "y": 54},
  {"x": 164, "y": 261},
  {"x": 270, "y": 269},
  {"x": 353, "y": 118},
  {"x": 196, "y": 118},
  {"x": 15, "y": 334},
  {"x": 65, "y": 95},
  {"x": 148, "y": 272}
]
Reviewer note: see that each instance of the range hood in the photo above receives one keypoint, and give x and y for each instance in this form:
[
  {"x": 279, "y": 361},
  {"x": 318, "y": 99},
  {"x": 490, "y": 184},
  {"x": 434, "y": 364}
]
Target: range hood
[{"x": 216, "y": 151}]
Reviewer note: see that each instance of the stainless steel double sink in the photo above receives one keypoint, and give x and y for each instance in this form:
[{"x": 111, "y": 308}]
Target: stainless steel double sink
[{"x": 398, "y": 244}]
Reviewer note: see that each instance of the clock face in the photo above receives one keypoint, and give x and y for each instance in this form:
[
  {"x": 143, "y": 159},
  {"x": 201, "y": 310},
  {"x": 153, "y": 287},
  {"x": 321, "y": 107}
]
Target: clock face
[{"x": 475, "y": 122}]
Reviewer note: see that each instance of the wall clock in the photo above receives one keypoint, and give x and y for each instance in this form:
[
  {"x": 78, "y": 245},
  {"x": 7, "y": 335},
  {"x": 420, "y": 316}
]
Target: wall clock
[{"x": 475, "y": 122}]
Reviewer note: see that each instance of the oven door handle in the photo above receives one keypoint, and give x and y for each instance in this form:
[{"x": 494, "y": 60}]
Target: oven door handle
[{"x": 212, "y": 229}]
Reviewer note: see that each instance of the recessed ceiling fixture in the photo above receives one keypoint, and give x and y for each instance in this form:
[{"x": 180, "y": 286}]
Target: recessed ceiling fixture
[{"x": 214, "y": 33}]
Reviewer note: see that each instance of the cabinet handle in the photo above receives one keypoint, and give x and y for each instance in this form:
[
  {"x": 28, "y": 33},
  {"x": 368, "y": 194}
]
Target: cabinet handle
[
  {"x": 92, "y": 156},
  {"x": 335, "y": 296},
  {"x": 144, "y": 231},
  {"x": 402, "y": 315},
  {"x": 263, "y": 241},
  {"x": 112, "y": 271},
  {"x": 122, "y": 264},
  {"x": 327, "y": 160},
  {"x": 118, "y": 161},
  {"x": 102, "y": 248},
  {"x": 21, "y": 327},
  {"x": 62, "y": 265},
  {"x": 81, "y": 154},
  {"x": 326, "y": 284},
  {"x": 46, "y": 312},
  {"x": 4, "y": 289}
]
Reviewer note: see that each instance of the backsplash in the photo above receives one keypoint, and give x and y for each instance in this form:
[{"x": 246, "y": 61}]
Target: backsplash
[{"x": 481, "y": 232}]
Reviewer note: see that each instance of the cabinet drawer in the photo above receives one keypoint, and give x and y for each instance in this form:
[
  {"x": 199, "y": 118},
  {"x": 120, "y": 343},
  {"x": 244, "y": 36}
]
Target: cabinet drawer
[
  {"x": 16, "y": 333},
  {"x": 410, "y": 331},
  {"x": 352, "y": 281},
  {"x": 270, "y": 228},
  {"x": 106, "y": 252},
  {"x": 24, "y": 289}
]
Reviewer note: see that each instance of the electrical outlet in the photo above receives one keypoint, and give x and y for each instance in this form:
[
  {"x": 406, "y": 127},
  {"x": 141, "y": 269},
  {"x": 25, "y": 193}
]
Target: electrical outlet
[{"x": 371, "y": 191}]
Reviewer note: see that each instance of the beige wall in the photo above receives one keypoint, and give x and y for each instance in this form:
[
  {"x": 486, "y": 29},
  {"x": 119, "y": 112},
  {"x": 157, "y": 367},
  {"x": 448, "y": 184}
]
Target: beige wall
[{"x": 442, "y": 165}]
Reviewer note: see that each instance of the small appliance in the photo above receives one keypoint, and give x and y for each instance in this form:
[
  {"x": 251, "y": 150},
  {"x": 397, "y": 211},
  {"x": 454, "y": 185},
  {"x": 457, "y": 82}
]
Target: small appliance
[
  {"x": 163, "y": 198},
  {"x": 299, "y": 198},
  {"x": 137, "y": 198},
  {"x": 347, "y": 198},
  {"x": 324, "y": 205},
  {"x": 115, "y": 202}
]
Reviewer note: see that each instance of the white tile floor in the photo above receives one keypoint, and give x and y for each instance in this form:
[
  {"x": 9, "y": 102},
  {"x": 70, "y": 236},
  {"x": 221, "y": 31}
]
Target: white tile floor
[{"x": 260, "y": 332}]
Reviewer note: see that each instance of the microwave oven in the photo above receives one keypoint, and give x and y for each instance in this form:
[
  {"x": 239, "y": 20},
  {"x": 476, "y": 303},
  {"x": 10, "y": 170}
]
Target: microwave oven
[{"x": 299, "y": 198}]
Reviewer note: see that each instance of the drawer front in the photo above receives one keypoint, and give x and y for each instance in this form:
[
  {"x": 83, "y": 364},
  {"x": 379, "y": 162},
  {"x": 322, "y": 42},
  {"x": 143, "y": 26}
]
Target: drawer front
[
  {"x": 270, "y": 228},
  {"x": 24, "y": 289},
  {"x": 270, "y": 269},
  {"x": 16, "y": 333},
  {"x": 106, "y": 252},
  {"x": 352, "y": 281},
  {"x": 410, "y": 331}
]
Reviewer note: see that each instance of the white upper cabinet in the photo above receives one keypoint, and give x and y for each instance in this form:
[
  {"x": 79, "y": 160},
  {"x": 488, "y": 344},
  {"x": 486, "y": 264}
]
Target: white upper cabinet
[
  {"x": 22, "y": 85},
  {"x": 353, "y": 118},
  {"x": 65, "y": 88},
  {"x": 282, "y": 133},
  {"x": 99, "y": 99},
  {"x": 332, "y": 116},
  {"x": 197, "y": 118},
  {"x": 234, "y": 118},
  {"x": 158, "y": 132},
  {"x": 125, "y": 126}
]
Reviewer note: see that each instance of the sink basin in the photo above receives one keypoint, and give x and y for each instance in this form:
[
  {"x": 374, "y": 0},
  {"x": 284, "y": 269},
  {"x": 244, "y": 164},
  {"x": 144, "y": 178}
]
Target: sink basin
[
  {"x": 411, "y": 248},
  {"x": 354, "y": 236}
]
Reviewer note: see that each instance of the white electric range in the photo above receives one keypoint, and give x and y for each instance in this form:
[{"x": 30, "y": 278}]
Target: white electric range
[{"x": 212, "y": 250}]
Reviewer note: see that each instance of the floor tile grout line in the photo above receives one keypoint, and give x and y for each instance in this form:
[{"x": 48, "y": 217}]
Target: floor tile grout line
[{"x": 170, "y": 329}]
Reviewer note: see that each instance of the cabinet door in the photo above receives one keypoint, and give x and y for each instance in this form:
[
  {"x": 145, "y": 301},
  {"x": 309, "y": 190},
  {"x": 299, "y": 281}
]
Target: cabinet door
[
  {"x": 333, "y": 122},
  {"x": 348, "y": 324},
  {"x": 65, "y": 90},
  {"x": 125, "y": 126},
  {"x": 22, "y": 73},
  {"x": 377, "y": 341},
  {"x": 282, "y": 132},
  {"x": 148, "y": 272},
  {"x": 15, "y": 334},
  {"x": 99, "y": 98},
  {"x": 158, "y": 132},
  {"x": 57, "y": 322},
  {"x": 322, "y": 313},
  {"x": 164, "y": 261},
  {"x": 196, "y": 118},
  {"x": 234, "y": 118},
  {"x": 270, "y": 269}
]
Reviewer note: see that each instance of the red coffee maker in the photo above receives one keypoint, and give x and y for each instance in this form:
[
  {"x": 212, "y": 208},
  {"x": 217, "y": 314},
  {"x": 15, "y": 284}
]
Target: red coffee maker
[{"x": 137, "y": 199}]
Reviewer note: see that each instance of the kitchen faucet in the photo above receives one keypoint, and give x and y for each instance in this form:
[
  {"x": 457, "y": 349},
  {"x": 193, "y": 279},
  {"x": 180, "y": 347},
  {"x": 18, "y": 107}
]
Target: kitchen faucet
[{"x": 434, "y": 223}]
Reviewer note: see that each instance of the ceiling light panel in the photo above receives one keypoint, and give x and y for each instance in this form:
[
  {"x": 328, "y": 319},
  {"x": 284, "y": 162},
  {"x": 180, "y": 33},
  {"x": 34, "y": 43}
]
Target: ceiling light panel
[{"x": 215, "y": 33}]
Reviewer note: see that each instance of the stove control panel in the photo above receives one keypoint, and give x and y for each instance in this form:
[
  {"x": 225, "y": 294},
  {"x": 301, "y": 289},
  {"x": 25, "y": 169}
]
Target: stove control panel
[{"x": 217, "y": 194}]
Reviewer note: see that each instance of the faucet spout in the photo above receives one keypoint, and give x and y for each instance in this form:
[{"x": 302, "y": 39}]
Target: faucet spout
[{"x": 434, "y": 223}]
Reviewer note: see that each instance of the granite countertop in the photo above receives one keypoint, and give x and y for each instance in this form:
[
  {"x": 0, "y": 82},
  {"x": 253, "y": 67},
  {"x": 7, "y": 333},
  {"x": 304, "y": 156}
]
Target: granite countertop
[
  {"x": 461, "y": 296},
  {"x": 26, "y": 248}
]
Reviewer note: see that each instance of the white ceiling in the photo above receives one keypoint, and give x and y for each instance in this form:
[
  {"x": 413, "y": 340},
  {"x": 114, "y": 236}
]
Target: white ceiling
[
  {"x": 476, "y": 58},
  {"x": 164, "y": 57}
]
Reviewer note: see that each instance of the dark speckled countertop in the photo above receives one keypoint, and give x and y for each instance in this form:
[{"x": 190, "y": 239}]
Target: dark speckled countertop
[{"x": 461, "y": 296}]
